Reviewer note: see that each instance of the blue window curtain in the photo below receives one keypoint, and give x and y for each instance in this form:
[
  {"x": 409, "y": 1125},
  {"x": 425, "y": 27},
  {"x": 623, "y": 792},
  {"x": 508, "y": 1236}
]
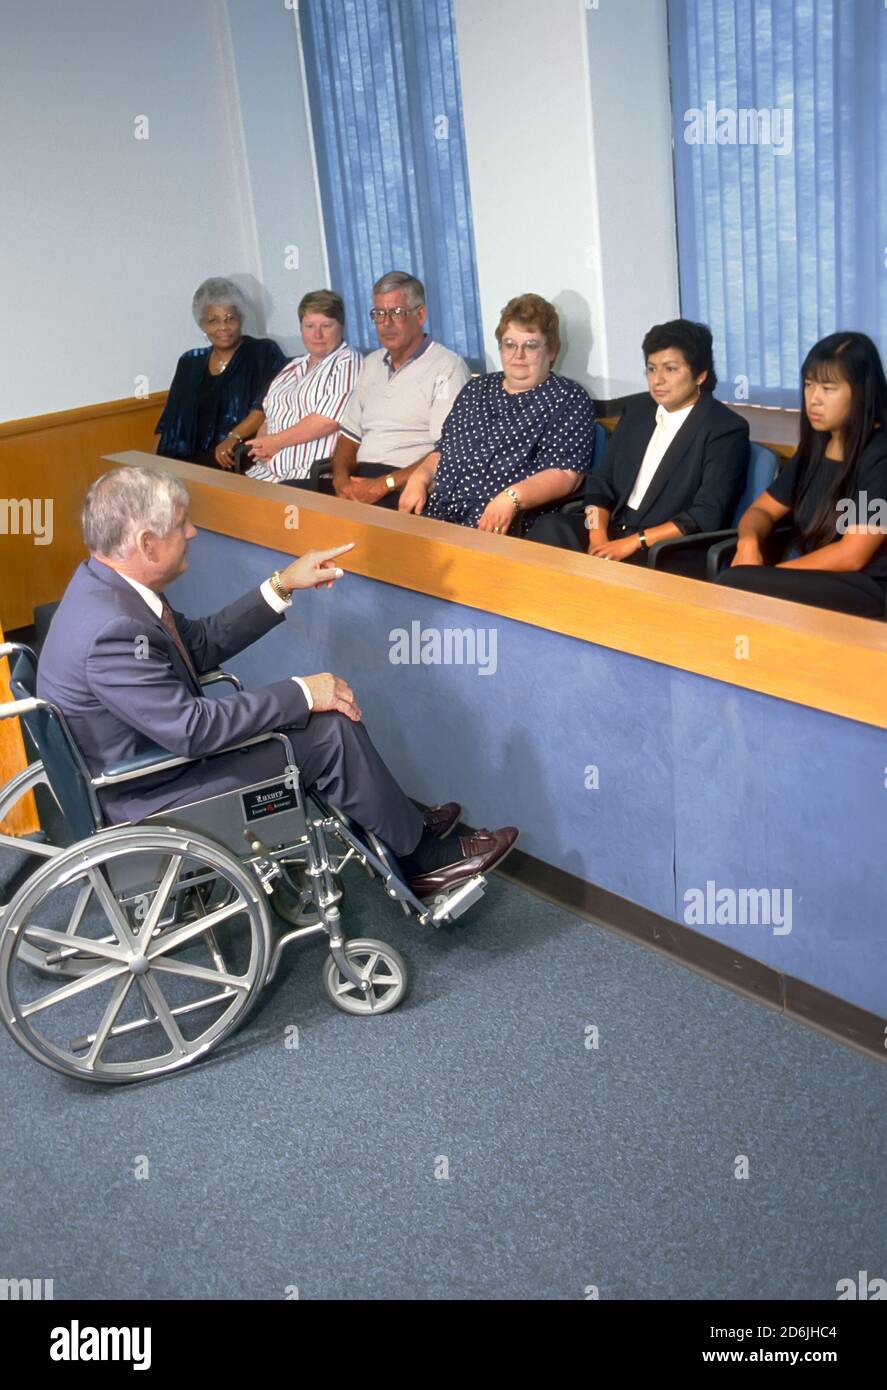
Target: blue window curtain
[
  {"x": 383, "y": 86},
  {"x": 784, "y": 240}
]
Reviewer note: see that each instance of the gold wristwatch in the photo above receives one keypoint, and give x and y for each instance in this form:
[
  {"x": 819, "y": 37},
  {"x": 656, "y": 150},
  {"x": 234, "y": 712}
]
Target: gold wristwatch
[
  {"x": 390, "y": 482},
  {"x": 277, "y": 586}
]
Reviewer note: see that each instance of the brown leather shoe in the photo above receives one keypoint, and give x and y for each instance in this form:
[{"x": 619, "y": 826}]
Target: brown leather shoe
[
  {"x": 442, "y": 820},
  {"x": 480, "y": 853}
]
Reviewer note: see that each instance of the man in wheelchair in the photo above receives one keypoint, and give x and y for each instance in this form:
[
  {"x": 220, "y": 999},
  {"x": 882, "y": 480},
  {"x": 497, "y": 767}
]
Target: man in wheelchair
[{"x": 125, "y": 669}]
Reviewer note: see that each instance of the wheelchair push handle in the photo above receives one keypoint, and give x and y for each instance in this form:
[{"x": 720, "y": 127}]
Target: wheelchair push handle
[
  {"x": 14, "y": 649},
  {"x": 14, "y": 708}
]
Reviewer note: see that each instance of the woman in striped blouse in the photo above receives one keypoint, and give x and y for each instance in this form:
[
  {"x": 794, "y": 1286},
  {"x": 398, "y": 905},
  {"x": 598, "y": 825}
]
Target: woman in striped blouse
[{"x": 307, "y": 399}]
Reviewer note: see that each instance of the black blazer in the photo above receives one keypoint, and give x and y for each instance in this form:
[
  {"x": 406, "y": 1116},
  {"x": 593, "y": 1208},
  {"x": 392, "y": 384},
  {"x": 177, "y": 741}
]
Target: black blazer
[{"x": 699, "y": 481}]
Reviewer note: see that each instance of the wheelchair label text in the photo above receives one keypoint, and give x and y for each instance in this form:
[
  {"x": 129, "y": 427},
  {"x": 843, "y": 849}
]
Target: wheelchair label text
[{"x": 265, "y": 801}]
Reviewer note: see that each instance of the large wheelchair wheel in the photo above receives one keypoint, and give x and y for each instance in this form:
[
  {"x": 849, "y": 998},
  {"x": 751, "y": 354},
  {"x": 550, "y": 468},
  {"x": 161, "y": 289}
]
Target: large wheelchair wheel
[{"x": 152, "y": 998}]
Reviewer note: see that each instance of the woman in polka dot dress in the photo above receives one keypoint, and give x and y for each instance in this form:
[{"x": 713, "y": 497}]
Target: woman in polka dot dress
[{"x": 517, "y": 443}]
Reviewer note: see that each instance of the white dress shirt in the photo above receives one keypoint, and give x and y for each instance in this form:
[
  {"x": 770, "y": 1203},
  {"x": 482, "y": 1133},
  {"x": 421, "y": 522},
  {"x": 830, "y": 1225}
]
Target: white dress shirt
[
  {"x": 668, "y": 422},
  {"x": 274, "y": 601}
]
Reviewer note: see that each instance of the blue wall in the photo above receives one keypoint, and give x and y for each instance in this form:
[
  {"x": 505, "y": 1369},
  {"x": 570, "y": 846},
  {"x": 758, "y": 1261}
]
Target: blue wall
[{"x": 698, "y": 780}]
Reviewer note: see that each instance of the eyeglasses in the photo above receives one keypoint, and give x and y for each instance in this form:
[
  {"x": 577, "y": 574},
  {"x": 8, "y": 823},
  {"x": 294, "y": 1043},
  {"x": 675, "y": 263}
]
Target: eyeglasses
[
  {"x": 380, "y": 315},
  {"x": 215, "y": 321},
  {"x": 509, "y": 348}
]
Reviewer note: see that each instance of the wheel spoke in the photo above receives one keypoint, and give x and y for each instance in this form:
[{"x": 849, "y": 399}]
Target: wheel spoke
[
  {"x": 344, "y": 986},
  {"x": 383, "y": 979},
  {"x": 161, "y": 897},
  {"x": 24, "y": 846},
  {"x": 84, "y": 943},
  {"x": 201, "y": 972},
  {"x": 58, "y": 996},
  {"x": 121, "y": 989},
  {"x": 209, "y": 936},
  {"x": 113, "y": 911},
  {"x": 79, "y": 908},
  {"x": 169, "y": 941},
  {"x": 371, "y": 962},
  {"x": 164, "y": 1013}
]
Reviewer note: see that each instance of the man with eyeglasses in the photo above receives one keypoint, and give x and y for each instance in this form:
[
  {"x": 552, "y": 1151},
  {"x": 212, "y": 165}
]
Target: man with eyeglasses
[{"x": 403, "y": 395}]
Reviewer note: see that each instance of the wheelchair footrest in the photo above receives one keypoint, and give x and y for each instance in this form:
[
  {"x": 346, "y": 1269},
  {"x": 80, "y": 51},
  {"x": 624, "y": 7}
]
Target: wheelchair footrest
[{"x": 449, "y": 906}]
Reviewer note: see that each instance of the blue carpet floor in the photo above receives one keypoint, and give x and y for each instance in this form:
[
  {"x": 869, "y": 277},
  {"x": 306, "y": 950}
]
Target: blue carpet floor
[{"x": 568, "y": 1166}]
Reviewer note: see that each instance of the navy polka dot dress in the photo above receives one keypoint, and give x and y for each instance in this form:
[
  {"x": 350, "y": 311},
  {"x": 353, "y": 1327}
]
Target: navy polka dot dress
[{"x": 492, "y": 440}]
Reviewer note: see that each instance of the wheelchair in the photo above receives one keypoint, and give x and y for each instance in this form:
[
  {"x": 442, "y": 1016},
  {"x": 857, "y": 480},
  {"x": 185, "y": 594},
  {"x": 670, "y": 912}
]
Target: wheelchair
[{"x": 132, "y": 951}]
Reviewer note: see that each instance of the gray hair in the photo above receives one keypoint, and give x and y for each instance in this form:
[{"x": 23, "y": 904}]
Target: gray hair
[
  {"x": 400, "y": 280},
  {"x": 128, "y": 500},
  {"x": 217, "y": 290}
]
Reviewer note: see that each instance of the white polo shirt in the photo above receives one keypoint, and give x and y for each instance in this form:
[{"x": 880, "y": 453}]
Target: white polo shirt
[{"x": 397, "y": 417}]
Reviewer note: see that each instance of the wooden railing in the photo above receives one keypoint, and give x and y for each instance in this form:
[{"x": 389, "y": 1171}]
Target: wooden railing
[{"x": 805, "y": 655}]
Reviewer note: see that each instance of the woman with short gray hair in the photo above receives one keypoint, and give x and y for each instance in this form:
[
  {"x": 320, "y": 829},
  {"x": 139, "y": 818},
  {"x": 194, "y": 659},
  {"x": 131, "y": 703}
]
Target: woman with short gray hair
[{"x": 215, "y": 400}]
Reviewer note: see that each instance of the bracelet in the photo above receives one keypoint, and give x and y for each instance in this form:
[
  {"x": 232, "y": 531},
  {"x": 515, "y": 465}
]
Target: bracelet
[
  {"x": 280, "y": 591},
  {"x": 238, "y": 437},
  {"x": 510, "y": 492}
]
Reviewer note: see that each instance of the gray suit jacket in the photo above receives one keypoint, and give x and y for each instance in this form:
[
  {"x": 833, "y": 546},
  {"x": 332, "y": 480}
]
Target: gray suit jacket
[{"x": 117, "y": 675}]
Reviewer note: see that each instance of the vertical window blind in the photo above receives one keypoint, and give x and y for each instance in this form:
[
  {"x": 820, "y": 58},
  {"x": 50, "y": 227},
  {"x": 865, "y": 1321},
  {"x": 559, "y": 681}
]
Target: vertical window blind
[
  {"x": 383, "y": 88},
  {"x": 780, "y": 137}
]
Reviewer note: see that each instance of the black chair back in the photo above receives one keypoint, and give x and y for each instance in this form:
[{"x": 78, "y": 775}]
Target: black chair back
[{"x": 62, "y": 761}]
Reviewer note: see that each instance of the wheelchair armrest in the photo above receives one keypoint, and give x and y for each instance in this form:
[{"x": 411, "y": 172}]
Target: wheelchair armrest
[
  {"x": 212, "y": 677},
  {"x": 158, "y": 759},
  {"x": 149, "y": 760},
  {"x": 697, "y": 540},
  {"x": 573, "y": 507}
]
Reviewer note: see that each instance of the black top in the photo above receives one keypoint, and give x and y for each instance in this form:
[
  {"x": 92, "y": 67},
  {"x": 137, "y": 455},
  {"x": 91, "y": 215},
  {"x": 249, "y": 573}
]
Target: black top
[
  {"x": 699, "y": 480},
  {"x": 803, "y": 489},
  {"x": 208, "y": 395},
  {"x": 202, "y": 409}
]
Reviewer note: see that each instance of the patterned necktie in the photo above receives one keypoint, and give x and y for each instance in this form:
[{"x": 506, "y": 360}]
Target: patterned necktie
[{"x": 169, "y": 624}]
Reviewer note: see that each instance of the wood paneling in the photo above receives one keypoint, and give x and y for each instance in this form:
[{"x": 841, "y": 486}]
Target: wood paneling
[
  {"x": 805, "y": 655},
  {"x": 52, "y": 459}
]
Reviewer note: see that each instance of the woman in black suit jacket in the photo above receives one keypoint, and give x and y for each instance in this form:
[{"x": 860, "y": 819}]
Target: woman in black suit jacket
[
  {"x": 675, "y": 464},
  {"x": 834, "y": 490}
]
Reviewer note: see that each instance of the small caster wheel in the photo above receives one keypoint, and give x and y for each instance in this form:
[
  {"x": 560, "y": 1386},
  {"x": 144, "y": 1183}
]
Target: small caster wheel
[{"x": 383, "y": 968}]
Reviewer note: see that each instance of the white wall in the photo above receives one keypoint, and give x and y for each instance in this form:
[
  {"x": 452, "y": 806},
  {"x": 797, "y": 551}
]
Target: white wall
[
  {"x": 568, "y": 129},
  {"x": 104, "y": 238},
  {"x": 276, "y": 131}
]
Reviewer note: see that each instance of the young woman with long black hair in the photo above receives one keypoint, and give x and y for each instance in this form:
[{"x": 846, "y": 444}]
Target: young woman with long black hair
[{"x": 835, "y": 488}]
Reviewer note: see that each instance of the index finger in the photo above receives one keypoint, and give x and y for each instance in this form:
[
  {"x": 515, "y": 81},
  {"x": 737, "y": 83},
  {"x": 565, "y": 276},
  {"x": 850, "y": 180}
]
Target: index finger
[{"x": 322, "y": 555}]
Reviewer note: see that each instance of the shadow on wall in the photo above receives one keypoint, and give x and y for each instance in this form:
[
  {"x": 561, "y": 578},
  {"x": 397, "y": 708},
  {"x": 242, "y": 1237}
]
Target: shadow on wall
[
  {"x": 577, "y": 338},
  {"x": 259, "y": 301}
]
